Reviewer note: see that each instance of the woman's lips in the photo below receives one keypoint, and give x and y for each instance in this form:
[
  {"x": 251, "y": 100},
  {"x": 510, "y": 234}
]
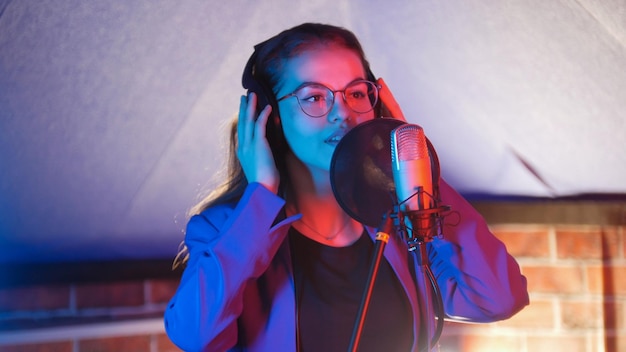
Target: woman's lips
[{"x": 334, "y": 138}]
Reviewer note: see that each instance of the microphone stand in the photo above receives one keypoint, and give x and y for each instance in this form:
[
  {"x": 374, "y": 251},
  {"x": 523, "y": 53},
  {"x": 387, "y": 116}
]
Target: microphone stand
[
  {"x": 417, "y": 246},
  {"x": 382, "y": 237},
  {"x": 423, "y": 224}
]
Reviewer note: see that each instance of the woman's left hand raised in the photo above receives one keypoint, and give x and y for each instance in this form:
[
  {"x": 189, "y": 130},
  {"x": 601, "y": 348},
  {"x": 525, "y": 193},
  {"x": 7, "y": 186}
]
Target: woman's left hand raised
[{"x": 253, "y": 150}]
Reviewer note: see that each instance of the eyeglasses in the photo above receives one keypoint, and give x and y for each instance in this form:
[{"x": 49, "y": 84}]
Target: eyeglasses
[{"x": 316, "y": 100}]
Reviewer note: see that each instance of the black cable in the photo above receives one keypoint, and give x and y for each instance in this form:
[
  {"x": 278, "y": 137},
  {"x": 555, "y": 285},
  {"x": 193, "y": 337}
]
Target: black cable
[{"x": 438, "y": 305}]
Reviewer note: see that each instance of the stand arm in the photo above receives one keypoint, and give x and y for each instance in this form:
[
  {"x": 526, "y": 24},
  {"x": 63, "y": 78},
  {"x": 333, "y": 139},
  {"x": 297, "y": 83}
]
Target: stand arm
[{"x": 382, "y": 237}]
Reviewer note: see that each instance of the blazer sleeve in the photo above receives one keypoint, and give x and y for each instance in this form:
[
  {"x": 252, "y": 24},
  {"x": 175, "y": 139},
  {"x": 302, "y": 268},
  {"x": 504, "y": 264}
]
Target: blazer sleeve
[
  {"x": 227, "y": 248},
  {"x": 479, "y": 280}
]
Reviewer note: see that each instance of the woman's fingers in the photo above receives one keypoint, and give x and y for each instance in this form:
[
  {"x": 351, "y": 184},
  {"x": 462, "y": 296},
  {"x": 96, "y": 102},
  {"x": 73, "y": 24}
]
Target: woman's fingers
[
  {"x": 389, "y": 102},
  {"x": 243, "y": 102},
  {"x": 253, "y": 150},
  {"x": 261, "y": 123},
  {"x": 245, "y": 124}
]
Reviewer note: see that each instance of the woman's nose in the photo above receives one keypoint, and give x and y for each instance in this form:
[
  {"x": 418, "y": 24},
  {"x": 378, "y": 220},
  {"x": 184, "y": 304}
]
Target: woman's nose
[{"x": 340, "y": 111}]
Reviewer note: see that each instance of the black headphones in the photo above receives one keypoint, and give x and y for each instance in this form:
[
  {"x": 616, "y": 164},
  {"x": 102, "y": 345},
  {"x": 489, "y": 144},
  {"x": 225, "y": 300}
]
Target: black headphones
[{"x": 252, "y": 81}]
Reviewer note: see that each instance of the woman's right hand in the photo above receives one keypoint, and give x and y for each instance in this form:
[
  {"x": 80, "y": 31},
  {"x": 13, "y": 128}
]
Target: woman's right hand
[
  {"x": 391, "y": 108},
  {"x": 253, "y": 150}
]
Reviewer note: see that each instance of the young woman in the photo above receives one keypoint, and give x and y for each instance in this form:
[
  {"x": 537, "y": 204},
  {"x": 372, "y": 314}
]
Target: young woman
[{"x": 275, "y": 264}]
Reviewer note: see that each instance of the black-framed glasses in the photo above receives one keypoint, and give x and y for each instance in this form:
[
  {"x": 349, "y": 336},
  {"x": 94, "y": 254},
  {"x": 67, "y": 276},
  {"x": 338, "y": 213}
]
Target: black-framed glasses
[{"x": 316, "y": 100}]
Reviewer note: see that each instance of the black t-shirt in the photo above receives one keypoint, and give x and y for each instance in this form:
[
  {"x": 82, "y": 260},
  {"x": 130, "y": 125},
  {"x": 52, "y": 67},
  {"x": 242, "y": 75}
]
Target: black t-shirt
[{"x": 330, "y": 282}]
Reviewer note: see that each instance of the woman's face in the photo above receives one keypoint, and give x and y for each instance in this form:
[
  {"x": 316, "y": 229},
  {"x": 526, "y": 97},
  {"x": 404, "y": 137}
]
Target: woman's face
[{"x": 313, "y": 140}]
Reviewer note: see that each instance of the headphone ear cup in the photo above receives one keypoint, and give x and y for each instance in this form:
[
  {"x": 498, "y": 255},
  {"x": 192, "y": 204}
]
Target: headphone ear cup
[
  {"x": 265, "y": 96},
  {"x": 250, "y": 83}
]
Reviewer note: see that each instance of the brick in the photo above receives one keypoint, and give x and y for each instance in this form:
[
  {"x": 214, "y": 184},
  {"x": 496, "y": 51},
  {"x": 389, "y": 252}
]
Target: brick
[
  {"x": 114, "y": 344},
  {"x": 65, "y": 346},
  {"x": 581, "y": 314},
  {"x": 524, "y": 241},
  {"x": 554, "y": 279},
  {"x": 110, "y": 294},
  {"x": 161, "y": 291},
  {"x": 491, "y": 343},
  {"x": 608, "y": 342},
  {"x": 165, "y": 345},
  {"x": 613, "y": 315},
  {"x": 588, "y": 243},
  {"x": 621, "y": 231},
  {"x": 557, "y": 343},
  {"x": 607, "y": 280},
  {"x": 34, "y": 298},
  {"x": 454, "y": 333},
  {"x": 615, "y": 343},
  {"x": 538, "y": 314},
  {"x": 450, "y": 342}
]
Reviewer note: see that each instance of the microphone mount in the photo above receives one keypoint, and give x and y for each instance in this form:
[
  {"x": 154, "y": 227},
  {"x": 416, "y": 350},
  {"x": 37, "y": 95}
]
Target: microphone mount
[{"x": 426, "y": 223}]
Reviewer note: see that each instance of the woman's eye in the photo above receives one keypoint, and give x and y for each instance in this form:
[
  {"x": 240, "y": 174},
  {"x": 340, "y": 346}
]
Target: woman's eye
[
  {"x": 314, "y": 98},
  {"x": 356, "y": 94},
  {"x": 313, "y": 95}
]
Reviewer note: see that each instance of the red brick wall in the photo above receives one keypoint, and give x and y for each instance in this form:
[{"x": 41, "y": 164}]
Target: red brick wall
[
  {"x": 575, "y": 277},
  {"x": 577, "y": 296},
  {"x": 97, "y": 306}
]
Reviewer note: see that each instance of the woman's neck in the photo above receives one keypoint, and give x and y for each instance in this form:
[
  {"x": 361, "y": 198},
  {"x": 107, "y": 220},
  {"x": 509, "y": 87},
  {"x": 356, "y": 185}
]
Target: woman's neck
[{"x": 323, "y": 219}]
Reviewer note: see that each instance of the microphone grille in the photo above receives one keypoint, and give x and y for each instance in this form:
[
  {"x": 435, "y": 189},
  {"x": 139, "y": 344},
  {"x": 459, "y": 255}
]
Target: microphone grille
[{"x": 408, "y": 142}]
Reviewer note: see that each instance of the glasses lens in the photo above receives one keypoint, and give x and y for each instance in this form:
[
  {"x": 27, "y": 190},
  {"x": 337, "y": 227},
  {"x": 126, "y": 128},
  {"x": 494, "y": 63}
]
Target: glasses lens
[
  {"x": 361, "y": 96},
  {"x": 315, "y": 100}
]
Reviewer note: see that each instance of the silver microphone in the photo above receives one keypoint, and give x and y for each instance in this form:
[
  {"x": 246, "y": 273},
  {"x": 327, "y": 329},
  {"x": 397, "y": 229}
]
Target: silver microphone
[{"x": 412, "y": 176}]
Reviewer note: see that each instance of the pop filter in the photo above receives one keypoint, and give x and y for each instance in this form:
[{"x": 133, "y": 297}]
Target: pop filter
[
  {"x": 360, "y": 171},
  {"x": 361, "y": 177}
]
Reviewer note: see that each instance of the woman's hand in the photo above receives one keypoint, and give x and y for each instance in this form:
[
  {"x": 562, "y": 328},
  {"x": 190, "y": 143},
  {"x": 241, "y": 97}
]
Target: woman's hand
[
  {"x": 391, "y": 108},
  {"x": 253, "y": 150}
]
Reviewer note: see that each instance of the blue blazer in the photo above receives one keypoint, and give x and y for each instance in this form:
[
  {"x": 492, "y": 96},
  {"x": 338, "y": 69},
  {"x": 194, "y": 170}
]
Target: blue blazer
[{"x": 237, "y": 292}]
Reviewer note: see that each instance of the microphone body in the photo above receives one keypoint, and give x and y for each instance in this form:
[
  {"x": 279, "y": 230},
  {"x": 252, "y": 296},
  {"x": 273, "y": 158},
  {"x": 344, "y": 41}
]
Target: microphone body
[{"x": 413, "y": 179}]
